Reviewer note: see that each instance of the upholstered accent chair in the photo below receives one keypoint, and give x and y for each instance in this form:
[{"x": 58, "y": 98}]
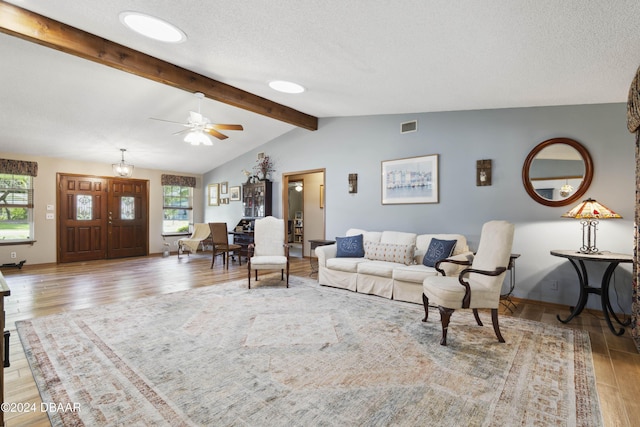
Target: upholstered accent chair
[
  {"x": 476, "y": 287},
  {"x": 221, "y": 245},
  {"x": 269, "y": 251}
]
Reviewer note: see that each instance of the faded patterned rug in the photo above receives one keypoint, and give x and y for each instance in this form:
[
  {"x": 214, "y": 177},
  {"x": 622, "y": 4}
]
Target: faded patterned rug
[{"x": 304, "y": 356}]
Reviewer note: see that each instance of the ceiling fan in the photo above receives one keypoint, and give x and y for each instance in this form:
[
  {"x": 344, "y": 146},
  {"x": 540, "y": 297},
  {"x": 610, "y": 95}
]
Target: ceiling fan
[{"x": 199, "y": 126}]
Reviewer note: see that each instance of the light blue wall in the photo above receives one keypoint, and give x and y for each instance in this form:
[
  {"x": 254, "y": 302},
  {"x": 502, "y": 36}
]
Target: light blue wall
[{"x": 360, "y": 144}]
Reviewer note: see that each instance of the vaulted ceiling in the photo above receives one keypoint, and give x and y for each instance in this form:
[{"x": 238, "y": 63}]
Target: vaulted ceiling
[{"x": 353, "y": 57}]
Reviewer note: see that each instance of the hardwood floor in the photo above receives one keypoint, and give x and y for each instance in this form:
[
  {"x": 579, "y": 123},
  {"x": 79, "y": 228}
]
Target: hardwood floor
[{"x": 40, "y": 290}]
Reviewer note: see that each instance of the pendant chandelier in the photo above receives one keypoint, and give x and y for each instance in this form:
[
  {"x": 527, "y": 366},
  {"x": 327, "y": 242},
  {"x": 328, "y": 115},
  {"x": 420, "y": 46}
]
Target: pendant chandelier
[{"x": 123, "y": 168}]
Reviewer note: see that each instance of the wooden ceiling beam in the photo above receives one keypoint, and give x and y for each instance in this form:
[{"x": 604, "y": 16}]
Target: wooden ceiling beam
[{"x": 47, "y": 32}]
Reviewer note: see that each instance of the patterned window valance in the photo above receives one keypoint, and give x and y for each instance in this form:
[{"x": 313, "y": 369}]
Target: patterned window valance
[
  {"x": 18, "y": 167},
  {"x": 182, "y": 181}
]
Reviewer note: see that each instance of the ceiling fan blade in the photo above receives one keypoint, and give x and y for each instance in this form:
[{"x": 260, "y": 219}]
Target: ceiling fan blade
[
  {"x": 169, "y": 121},
  {"x": 181, "y": 131},
  {"x": 215, "y": 133},
  {"x": 225, "y": 126}
]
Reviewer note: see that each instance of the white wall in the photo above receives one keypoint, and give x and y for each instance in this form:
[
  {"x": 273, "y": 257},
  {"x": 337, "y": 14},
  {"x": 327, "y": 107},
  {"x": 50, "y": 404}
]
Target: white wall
[
  {"x": 360, "y": 144},
  {"x": 44, "y": 250}
]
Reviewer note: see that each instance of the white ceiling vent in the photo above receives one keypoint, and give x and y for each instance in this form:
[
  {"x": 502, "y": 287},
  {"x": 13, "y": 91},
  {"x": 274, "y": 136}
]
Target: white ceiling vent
[{"x": 407, "y": 127}]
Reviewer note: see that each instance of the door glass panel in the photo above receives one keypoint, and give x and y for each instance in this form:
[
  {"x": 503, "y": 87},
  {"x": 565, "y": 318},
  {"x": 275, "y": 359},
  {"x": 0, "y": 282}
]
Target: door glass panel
[
  {"x": 84, "y": 207},
  {"x": 127, "y": 208}
]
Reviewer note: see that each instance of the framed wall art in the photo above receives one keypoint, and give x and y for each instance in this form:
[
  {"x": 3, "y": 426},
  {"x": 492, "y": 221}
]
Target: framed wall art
[
  {"x": 410, "y": 180},
  {"x": 214, "y": 194},
  {"x": 234, "y": 194},
  {"x": 224, "y": 187}
]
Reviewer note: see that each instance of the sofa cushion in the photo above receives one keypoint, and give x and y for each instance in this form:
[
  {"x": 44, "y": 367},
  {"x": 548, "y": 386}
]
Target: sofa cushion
[
  {"x": 377, "y": 268},
  {"x": 349, "y": 265},
  {"x": 413, "y": 273},
  {"x": 438, "y": 249},
  {"x": 367, "y": 236},
  {"x": 390, "y": 252},
  {"x": 398, "y": 238},
  {"x": 350, "y": 247}
]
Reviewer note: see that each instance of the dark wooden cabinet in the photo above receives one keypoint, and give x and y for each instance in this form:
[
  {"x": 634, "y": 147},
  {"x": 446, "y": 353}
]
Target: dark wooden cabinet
[
  {"x": 256, "y": 199},
  {"x": 244, "y": 239}
]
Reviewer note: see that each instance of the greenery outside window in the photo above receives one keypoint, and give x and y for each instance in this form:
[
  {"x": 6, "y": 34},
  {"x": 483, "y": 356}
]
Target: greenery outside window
[
  {"x": 177, "y": 209},
  {"x": 16, "y": 208}
]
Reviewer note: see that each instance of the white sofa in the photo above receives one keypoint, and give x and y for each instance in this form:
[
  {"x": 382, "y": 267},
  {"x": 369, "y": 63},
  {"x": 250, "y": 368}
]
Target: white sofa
[{"x": 395, "y": 280}]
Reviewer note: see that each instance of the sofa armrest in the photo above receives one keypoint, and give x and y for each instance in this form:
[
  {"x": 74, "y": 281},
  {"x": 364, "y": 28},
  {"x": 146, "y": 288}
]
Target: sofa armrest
[
  {"x": 324, "y": 253},
  {"x": 453, "y": 265}
]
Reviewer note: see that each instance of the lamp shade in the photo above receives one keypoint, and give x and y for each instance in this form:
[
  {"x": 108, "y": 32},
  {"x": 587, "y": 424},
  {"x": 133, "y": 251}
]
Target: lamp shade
[
  {"x": 198, "y": 137},
  {"x": 591, "y": 209}
]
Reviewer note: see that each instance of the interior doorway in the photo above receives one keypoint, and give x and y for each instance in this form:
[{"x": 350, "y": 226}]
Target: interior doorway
[{"x": 303, "y": 207}]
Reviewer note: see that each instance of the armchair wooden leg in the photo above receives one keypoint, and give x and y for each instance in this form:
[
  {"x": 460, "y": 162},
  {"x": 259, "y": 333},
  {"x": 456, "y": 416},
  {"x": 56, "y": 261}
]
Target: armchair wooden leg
[
  {"x": 496, "y": 328},
  {"x": 445, "y": 316},
  {"x": 249, "y": 271},
  {"x": 287, "y": 273},
  {"x": 425, "y": 302},
  {"x": 475, "y": 314}
]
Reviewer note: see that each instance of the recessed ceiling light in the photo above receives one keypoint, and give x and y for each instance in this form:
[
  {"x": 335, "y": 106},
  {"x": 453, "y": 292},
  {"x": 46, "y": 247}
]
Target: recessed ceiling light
[
  {"x": 152, "y": 27},
  {"x": 286, "y": 87}
]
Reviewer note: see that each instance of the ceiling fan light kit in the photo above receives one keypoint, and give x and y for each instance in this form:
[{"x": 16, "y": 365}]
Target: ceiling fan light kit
[
  {"x": 199, "y": 127},
  {"x": 197, "y": 138}
]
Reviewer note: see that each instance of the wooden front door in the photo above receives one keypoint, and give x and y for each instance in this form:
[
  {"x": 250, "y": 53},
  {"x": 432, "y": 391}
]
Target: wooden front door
[
  {"x": 101, "y": 218},
  {"x": 127, "y": 218}
]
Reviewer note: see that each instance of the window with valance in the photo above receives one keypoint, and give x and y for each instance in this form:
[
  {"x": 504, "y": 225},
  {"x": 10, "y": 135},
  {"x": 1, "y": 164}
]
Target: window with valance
[
  {"x": 177, "y": 203},
  {"x": 16, "y": 200}
]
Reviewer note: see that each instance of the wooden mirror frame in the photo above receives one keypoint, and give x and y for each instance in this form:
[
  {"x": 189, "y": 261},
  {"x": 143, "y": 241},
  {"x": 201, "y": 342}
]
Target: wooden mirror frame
[{"x": 586, "y": 181}]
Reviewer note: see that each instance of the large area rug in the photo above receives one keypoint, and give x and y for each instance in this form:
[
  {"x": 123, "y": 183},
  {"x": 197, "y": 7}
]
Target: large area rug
[{"x": 304, "y": 356}]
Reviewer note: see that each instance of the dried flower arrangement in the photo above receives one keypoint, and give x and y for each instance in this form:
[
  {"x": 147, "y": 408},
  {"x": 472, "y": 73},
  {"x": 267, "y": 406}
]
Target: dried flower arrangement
[{"x": 264, "y": 167}]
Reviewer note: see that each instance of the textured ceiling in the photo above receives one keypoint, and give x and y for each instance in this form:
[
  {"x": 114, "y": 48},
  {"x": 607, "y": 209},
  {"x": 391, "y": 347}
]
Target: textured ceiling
[{"x": 353, "y": 58}]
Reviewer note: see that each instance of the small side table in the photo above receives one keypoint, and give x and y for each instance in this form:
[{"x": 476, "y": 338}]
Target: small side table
[
  {"x": 313, "y": 244},
  {"x": 505, "y": 299},
  {"x": 576, "y": 258}
]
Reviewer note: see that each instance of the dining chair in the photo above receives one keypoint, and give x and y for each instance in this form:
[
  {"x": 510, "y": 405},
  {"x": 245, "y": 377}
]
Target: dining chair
[{"x": 221, "y": 245}]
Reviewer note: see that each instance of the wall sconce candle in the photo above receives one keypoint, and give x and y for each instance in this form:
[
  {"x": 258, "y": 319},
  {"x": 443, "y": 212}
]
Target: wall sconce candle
[{"x": 353, "y": 183}]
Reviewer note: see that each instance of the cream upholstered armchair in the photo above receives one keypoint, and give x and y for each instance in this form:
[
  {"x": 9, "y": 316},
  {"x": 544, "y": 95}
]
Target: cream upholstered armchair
[
  {"x": 269, "y": 251},
  {"x": 477, "y": 286}
]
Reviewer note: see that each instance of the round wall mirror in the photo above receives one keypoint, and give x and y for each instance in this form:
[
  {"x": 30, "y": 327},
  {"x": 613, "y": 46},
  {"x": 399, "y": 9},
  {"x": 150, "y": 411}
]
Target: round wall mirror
[{"x": 557, "y": 172}]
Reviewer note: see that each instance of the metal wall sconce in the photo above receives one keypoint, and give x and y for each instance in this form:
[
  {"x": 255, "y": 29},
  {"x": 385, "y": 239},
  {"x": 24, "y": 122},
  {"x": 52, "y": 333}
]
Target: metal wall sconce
[
  {"x": 353, "y": 183},
  {"x": 483, "y": 173}
]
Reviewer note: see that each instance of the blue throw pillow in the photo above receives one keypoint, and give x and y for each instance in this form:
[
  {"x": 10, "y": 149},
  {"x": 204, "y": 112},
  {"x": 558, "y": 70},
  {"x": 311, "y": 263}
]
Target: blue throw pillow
[
  {"x": 438, "y": 249},
  {"x": 350, "y": 247}
]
